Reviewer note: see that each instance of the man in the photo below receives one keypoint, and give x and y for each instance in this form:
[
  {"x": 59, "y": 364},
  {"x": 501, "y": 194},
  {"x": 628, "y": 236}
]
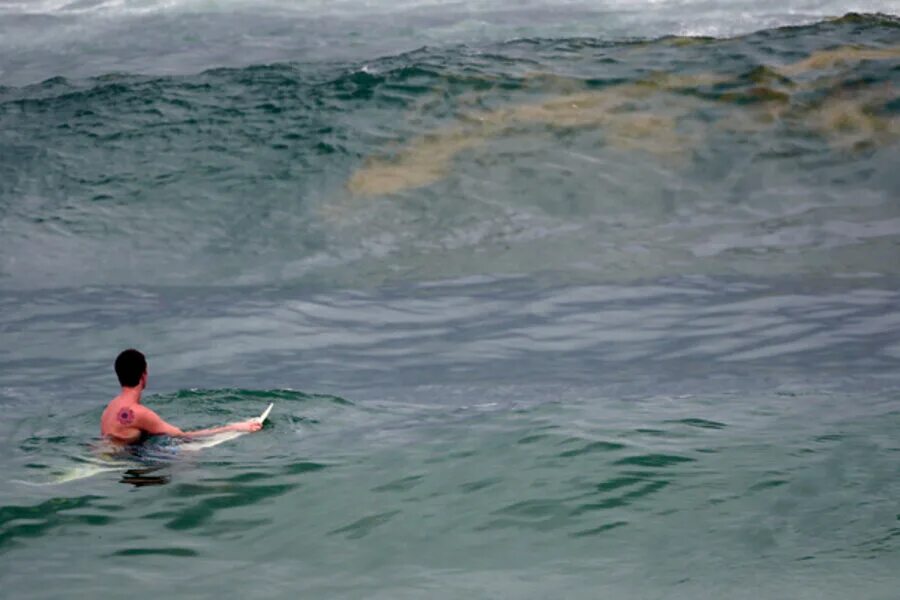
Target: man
[{"x": 127, "y": 421}]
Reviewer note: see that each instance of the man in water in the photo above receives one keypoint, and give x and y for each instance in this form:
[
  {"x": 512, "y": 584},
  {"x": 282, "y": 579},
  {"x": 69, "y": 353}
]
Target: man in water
[{"x": 127, "y": 421}]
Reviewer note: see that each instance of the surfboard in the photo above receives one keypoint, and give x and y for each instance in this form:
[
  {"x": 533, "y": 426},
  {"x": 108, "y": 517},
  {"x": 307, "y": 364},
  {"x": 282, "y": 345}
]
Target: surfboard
[
  {"x": 221, "y": 438},
  {"x": 94, "y": 466},
  {"x": 88, "y": 468}
]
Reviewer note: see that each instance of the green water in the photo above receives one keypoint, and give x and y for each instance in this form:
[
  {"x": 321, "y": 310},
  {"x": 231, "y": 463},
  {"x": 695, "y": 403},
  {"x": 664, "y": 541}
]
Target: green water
[
  {"x": 577, "y": 495},
  {"x": 556, "y": 315}
]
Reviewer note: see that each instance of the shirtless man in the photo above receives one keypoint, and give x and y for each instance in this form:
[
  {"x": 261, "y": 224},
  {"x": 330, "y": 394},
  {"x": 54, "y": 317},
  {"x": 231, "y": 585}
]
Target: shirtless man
[{"x": 127, "y": 421}]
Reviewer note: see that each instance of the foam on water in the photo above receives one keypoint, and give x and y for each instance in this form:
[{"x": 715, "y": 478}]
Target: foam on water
[{"x": 40, "y": 39}]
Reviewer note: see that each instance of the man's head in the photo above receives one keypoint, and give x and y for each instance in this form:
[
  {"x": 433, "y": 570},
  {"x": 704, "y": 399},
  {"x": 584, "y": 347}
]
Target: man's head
[{"x": 131, "y": 368}]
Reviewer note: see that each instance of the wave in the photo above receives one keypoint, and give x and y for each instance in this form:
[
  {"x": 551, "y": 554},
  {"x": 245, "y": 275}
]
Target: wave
[{"x": 674, "y": 156}]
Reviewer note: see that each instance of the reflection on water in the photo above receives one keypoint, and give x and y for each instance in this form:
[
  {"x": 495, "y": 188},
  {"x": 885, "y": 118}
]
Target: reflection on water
[{"x": 144, "y": 477}]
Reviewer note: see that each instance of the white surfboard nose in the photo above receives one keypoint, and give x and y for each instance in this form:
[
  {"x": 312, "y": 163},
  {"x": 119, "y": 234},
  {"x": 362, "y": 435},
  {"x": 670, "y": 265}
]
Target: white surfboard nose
[{"x": 262, "y": 418}]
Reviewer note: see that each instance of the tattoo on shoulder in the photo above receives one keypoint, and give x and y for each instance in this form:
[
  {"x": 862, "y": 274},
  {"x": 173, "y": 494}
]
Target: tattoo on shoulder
[{"x": 126, "y": 416}]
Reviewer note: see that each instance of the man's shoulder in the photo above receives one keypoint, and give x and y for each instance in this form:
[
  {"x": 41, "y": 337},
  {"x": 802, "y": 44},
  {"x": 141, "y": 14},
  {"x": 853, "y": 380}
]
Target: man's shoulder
[{"x": 127, "y": 416}]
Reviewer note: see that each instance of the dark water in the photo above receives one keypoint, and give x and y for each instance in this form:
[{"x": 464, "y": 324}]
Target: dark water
[{"x": 543, "y": 312}]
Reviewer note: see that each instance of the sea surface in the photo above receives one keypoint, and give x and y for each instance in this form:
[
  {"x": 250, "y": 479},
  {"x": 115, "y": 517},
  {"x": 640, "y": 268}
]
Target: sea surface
[{"x": 553, "y": 299}]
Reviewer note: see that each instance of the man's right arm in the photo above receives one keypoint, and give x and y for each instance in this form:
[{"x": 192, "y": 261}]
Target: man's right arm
[{"x": 152, "y": 423}]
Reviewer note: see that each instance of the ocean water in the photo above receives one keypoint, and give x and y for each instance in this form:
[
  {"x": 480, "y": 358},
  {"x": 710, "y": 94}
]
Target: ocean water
[{"x": 553, "y": 299}]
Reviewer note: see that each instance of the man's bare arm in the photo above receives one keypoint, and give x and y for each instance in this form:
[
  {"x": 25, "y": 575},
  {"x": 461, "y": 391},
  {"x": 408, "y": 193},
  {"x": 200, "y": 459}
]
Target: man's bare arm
[{"x": 152, "y": 423}]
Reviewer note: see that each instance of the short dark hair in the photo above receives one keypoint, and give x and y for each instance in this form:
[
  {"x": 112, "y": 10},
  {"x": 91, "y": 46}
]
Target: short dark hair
[{"x": 130, "y": 366}]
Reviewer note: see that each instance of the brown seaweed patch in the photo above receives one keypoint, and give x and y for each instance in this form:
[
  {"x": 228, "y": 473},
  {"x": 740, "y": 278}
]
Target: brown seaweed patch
[
  {"x": 553, "y": 82},
  {"x": 756, "y": 94},
  {"x": 423, "y": 162},
  {"x": 672, "y": 82},
  {"x": 843, "y": 56},
  {"x": 867, "y": 18},
  {"x": 427, "y": 159},
  {"x": 646, "y": 132},
  {"x": 672, "y": 41},
  {"x": 853, "y": 123},
  {"x": 681, "y": 41},
  {"x": 848, "y": 120},
  {"x": 622, "y": 112},
  {"x": 758, "y": 117},
  {"x": 766, "y": 75}
]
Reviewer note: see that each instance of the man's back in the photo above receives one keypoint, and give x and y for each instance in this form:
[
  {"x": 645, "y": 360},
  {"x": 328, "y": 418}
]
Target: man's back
[
  {"x": 127, "y": 421},
  {"x": 118, "y": 422}
]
